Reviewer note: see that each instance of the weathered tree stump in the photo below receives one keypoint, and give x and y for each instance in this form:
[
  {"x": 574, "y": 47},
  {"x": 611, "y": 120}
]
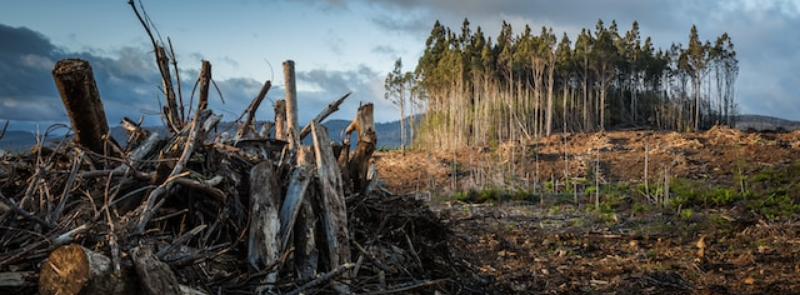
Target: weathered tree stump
[
  {"x": 263, "y": 246},
  {"x": 358, "y": 164},
  {"x": 291, "y": 105},
  {"x": 75, "y": 82}
]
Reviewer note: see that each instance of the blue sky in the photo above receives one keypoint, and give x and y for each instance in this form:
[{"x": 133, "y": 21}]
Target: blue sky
[{"x": 341, "y": 46}]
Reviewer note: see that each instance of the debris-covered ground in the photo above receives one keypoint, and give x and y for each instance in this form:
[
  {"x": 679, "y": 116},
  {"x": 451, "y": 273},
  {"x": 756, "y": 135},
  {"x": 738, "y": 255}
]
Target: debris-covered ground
[{"x": 729, "y": 225}]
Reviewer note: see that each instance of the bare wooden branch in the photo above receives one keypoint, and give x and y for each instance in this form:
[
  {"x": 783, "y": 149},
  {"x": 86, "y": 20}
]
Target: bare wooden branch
[
  {"x": 251, "y": 110},
  {"x": 68, "y": 187},
  {"x": 177, "y": 80},
  {"x": 171, "y": 109},
  {"x": 141, "y": 152},
  {"x": 174, "y": 123},
  {"x": 291, "y": 104},
  {"x": 69, "y": 236},
  {"x": 327, "y": 111},
  {"x": 323, "y": 278},
  {"x": 25, "y": 214},
  {"x": 147, "y": 210},
  {"x": 76, "y": 85}
]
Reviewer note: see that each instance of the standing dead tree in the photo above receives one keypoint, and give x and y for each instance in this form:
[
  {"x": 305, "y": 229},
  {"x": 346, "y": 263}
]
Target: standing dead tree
[{"x": 358, "y": 165}]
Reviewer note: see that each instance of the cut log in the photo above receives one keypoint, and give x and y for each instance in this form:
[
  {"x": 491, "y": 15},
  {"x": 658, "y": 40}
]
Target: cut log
[
  {"x": 358, "y": 165},
  {"x": 334, "y": 209},
  {"x": 76, "y": 85},
  {"x": 263, "y": 245},
  {"x": 72, "y": 269},
  {"x": 291, "y": 105}
]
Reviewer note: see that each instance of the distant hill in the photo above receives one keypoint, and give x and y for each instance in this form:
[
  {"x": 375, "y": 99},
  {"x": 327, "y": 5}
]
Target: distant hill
[
  {"x": 765, "y": 123},
  {"x": 388, "y": 135},
  {"x": 389, "y": 132}
]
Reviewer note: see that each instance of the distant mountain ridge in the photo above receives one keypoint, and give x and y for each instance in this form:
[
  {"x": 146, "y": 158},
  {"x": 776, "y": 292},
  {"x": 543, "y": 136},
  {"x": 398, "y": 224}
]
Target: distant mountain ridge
[
  {"x": 389, "y": 132},
  {"x": 765, "y": 123},
  {"x": 388, "y": 135}
]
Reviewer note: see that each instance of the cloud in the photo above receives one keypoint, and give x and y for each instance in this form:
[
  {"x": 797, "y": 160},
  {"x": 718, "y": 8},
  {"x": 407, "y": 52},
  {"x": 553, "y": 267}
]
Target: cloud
[
  {"x": 760, "y": 30},
  {"x": 325, "y": 86},
  {"x": 386, "y": 50},
  {"x": 130, "y": 86}
]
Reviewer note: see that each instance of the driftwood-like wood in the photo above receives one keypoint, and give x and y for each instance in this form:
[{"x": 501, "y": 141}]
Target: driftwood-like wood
[
  {"x": 171, "y": 109},
  {"x": 306, "y": 254},
  {"x": 263, "y": 244},
  {"x": 75, "y": 83},
  {"x": 332, "y": 202},
  {"x": 295, "y": 194},
  {"x": 327, "y": 111},
  {"x": 155, "y": 276},
  {"x": 280, "y": 120},
  {"x": 358, "y": 165},
  {"x": 72, "y": 269},
  {"x": 251, "y": 110},
  {"x": 291, "y": 105}
]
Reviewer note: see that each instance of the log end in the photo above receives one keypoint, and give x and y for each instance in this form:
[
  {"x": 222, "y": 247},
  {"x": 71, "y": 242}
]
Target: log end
[
  {"x": 65, "y": 271},
  {"x": 71, "y": 65}
]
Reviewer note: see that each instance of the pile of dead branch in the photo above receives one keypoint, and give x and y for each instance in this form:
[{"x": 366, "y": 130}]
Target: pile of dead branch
[
  {"x": 200, "y": 210},
  {"x": 208, "y": 211}
]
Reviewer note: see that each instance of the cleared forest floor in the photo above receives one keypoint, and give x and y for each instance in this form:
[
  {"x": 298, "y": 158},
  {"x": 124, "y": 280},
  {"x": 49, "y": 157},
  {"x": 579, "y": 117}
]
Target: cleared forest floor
[{"x": 571, "y": 213}]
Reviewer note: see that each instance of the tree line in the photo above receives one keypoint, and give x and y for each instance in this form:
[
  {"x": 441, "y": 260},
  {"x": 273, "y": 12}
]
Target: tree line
[{"x": 475, "y": 90}]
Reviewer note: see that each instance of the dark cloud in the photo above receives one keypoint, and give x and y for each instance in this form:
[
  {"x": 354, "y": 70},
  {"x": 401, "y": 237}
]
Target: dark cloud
[
  {"x": 130, "y": 86},
  {"x": 365, "y": 84}
]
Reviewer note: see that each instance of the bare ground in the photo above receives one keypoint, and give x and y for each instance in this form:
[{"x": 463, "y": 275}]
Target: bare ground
[{"x": 552, "y": 239}]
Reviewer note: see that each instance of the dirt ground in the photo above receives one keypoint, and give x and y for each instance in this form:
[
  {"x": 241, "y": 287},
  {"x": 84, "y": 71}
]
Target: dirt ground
[{"x": 552, "y": 241}]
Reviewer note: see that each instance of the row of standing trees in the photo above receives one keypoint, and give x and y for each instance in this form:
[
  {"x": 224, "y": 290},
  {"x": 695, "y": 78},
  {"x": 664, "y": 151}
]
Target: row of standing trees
[{"x": 473, "y": 90}]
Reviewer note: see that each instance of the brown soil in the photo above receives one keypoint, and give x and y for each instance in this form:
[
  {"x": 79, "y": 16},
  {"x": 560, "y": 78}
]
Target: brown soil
[{"x": 553, "y": 242}]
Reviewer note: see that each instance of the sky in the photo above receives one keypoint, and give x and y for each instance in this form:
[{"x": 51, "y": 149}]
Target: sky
[{"x": 340, "y": 46}]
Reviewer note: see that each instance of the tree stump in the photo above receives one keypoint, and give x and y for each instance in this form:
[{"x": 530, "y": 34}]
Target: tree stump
[
  {"x": 358, "y": 164},
  {"x": 75, "y": 82}
]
